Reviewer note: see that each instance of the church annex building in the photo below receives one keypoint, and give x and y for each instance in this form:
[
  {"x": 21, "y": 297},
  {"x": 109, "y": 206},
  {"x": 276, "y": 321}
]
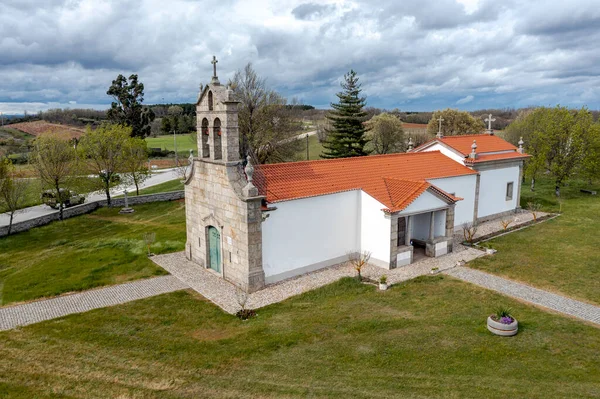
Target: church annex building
[{"x": 256, "y": 225}]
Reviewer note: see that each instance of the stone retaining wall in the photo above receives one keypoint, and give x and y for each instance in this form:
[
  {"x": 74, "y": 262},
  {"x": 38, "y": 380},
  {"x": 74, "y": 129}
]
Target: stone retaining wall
[{"x": 89, "y": 207}]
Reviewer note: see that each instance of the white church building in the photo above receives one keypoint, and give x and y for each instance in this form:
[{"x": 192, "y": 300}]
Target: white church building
[{"x": 256, "y": 225}]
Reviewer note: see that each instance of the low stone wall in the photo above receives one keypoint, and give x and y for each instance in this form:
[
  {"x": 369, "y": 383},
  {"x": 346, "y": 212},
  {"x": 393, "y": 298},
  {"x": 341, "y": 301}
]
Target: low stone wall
[{"x": 89, "y": 207}]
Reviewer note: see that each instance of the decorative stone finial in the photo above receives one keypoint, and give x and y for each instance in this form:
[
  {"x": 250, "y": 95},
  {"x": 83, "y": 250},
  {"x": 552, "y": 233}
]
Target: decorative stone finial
[
  {"x": 473, "y": 154},
  {"x": 521, "y": 142},
  {"x": 249, "y": 169},
  {"x": 489, "y": 120},
  {"x": 439, "y": 134},
  {"x": 249, "y": 190},
  {"x": 410, "y": 144}
]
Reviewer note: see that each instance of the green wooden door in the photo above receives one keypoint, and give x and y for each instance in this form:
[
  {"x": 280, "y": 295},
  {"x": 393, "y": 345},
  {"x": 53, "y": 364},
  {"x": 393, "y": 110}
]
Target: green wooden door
[{"x": 214, "y": 249}]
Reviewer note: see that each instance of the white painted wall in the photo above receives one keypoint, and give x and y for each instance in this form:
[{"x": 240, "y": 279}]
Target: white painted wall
[
  {"x": 464, "y": 187},
  {"x": 308, "y": 231},
  {"x": 492, "y": 190},
  {"x": 420, "y": 226},
  {"x": 447, "y": 152},
  {"x": 425, "y": 202},
  {"x": 439, "y": 222},
  {"x": 375, "y": 229}
]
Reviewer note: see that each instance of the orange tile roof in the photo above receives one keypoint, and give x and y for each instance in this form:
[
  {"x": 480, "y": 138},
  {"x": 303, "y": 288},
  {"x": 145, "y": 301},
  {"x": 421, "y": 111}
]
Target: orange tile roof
[
  {"x": 496, "y": 157},
  {"x": 395, "y": 180},
  {"x": 485, "y": 143}
]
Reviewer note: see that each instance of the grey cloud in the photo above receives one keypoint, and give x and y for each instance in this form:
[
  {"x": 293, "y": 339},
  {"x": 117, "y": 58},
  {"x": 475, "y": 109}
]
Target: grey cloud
[
  {"x": 311, "y": 11},
  {"x": 419, "y": 54}
]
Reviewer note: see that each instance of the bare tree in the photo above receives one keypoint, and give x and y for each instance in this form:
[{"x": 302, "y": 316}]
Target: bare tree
[
  {"x": 534, "y": 208},
  {"x": 104, "y": 149},
  {"x": 505, "y": 223},
  {"x": 387, "y": 134},
  {"x": 55, "y": 161},
  {"x": 135, "y": 162},
  {"x": 13, "y": 190},
  {"x": 358, "y": 260},
  {"x": 469, "y": 231},
  {"x": 266, "y": 122}
]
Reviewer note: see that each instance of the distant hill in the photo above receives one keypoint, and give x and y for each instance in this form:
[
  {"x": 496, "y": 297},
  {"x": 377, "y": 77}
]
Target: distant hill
[{"x": 37, "y": 128}]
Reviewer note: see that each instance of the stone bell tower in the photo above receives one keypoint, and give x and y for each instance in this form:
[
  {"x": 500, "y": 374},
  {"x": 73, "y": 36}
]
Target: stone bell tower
[{"x": 223, "y": 208}]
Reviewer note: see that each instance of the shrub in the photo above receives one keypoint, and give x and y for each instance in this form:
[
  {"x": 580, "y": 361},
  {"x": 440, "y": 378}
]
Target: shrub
[{"x": 383, "y": 279}]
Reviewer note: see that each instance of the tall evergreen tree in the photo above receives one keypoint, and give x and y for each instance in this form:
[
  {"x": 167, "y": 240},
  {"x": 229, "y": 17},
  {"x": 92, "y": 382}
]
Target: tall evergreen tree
[{"x": 347, "y": 136}]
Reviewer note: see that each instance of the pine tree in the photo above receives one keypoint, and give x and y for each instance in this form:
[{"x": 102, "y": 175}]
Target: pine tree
[{"x": 347, "y": 136}]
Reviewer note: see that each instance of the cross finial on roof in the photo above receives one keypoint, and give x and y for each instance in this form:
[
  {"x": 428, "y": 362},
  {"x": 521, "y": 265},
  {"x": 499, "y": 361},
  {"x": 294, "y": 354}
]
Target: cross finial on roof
[
  {"x": 489, "y": 120},
  {"x": 214, "y": 62},
  {"x": 439, "y": 133}
]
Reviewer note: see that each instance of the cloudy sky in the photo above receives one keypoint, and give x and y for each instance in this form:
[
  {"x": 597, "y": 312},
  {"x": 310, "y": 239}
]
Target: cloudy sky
[{"x": 409, "y": 54}]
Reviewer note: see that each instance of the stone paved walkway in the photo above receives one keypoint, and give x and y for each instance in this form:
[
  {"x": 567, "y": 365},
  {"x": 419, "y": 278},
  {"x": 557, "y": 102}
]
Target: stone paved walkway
[
  {"x": 46, "y": 309},
  {"x": 223, "y": 294},
  {"x": 526, "y": 293}
]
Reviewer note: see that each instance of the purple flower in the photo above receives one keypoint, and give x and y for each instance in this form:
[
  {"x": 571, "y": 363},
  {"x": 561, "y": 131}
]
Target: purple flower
[{"x": 506, "y": 320}]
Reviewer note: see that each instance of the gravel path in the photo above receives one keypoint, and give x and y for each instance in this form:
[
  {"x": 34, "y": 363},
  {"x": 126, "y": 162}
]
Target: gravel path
[
  {"x": 34, "y": 312},
  {"x": 223, "y": 293},
  {"x": 526, "y": 293}
]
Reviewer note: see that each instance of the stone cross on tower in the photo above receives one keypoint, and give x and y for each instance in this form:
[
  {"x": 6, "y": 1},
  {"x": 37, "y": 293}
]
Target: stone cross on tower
[
  {"x": 439, "y": 133},
  {"x": 215, "y": 79},
  {"x": 489, "y": 120}
]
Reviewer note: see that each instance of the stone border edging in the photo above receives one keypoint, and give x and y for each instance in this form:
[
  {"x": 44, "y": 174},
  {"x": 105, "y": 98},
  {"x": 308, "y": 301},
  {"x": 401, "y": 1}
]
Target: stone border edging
[
  {"x": 516, "y": 228},
  {"x": 88, "y": 207}
]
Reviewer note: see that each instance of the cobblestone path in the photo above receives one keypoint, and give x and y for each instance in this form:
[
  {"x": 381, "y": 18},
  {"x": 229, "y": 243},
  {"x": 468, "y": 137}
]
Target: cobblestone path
[
  {"x": 46, "y": 309},
  {"x": 527, "y": 293}
]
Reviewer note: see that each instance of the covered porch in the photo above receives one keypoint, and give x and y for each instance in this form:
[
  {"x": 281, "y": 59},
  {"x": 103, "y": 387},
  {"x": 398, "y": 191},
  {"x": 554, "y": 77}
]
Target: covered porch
[{"x": 421, "y": 234}]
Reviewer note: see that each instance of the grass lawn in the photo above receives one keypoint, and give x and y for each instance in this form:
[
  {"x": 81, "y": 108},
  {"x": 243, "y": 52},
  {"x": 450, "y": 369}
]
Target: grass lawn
[
  {"x": 172, "y": 185},
  {"x": 560, "y": 255},
  {"x": 423, "y": 339},
  {"x": 80, "y": 253},
  {"x": 185, "y": 143},
  {"x": 314, "y": 149}
]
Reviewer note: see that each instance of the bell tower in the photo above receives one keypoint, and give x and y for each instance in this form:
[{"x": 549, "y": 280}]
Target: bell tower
[
  {"x": 223, "y": 207},
  {"x": 217, "y": 122}
]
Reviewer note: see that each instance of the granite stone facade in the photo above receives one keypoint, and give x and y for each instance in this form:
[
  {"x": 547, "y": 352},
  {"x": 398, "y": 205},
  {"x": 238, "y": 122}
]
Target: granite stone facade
[{"x": 218, "y": 194}]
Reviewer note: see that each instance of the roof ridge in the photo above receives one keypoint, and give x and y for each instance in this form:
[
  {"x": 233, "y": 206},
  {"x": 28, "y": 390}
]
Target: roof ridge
[
  {"x": 396, "y": 154},
  {"x": 469, "y": 135}
]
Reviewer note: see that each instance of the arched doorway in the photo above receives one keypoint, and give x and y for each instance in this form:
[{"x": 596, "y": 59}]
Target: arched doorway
[{"x": 214, "y": 249}]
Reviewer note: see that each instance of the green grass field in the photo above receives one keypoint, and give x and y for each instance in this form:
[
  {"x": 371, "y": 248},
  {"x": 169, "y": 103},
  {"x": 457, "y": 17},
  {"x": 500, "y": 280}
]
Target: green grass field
[
  {"x": 185, "y": 143},
  {"x": 314, "y": 149},
  {"x": 422, "y": 339},
  {"x": 98, "y": 249},
  {"x": 560, "y": 255},
  {"x": 172, "y": 185}
]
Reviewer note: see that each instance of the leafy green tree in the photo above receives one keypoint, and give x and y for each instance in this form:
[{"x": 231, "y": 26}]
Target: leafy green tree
[
  {"x": 268, "y": 127},
  {"x": 590, "y": 164},
  {"x": 13, "y": 190},
  {"x": 127, "y": 109},
  {"x": 104, "y": 150},
  {"x": 556, "y": 138},
  {"x": 347, "y": 137},
  {"x": 387, "y": 134},
  {"x": 135, "y": 162},
  {"x": 454, "y": 123},
  {"x": 56, "y": 163}
]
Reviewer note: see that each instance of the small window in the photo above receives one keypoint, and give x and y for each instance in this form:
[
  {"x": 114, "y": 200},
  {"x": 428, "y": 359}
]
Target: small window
[{"x": 509, "y": 191}]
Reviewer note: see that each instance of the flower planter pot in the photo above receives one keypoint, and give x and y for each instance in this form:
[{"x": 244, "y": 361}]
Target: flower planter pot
[
  {"x": 504, "y": 330},
  {"x": 383, "y": 287}
]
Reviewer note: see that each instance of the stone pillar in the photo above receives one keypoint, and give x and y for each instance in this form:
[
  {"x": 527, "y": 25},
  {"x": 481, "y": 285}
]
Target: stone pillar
[
  {"x": 450, "y": 227},
  {"x": 408, "y": 236},
  {"x": 393, "y": 240},
  {"x": 476, "y": 206},
  {"x": 432, "y": 226},
  {"x": 519, "y": 185}
]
